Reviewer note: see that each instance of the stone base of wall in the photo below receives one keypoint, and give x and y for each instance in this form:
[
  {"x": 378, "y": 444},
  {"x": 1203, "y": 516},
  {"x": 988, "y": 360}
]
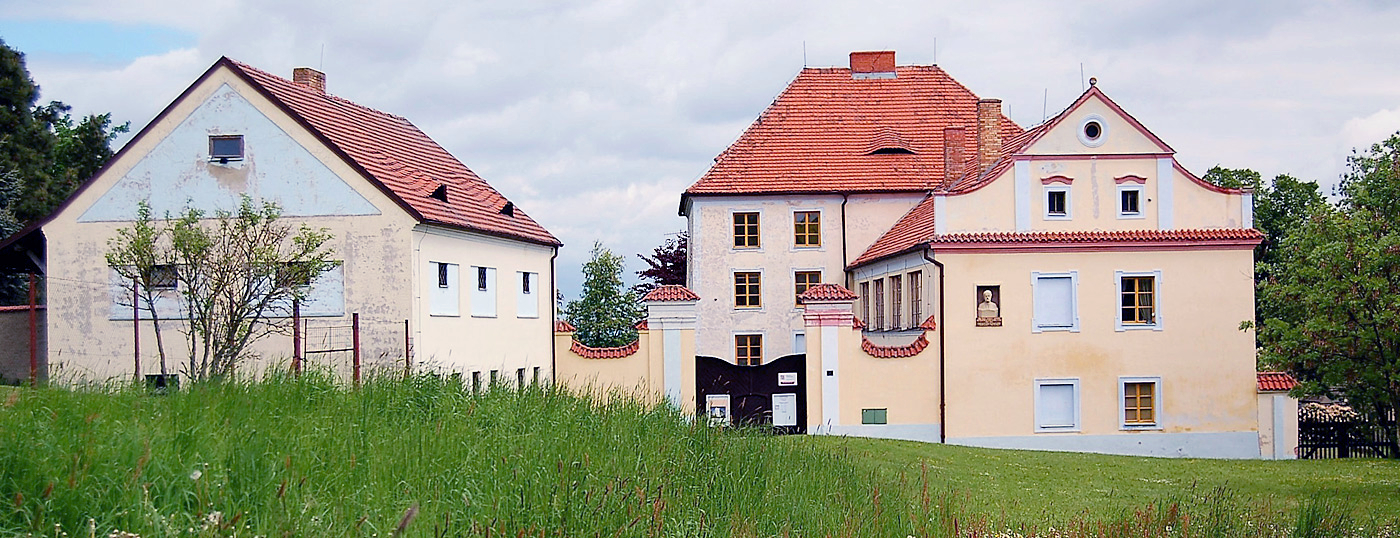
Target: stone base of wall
[{"x": 1223, "y": 445}]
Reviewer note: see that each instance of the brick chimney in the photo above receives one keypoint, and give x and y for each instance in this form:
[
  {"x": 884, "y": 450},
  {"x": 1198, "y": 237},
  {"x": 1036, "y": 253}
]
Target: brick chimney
[
  {"x": 988, "y": 131},
  {"x": 954, "y": 140},
  {"x": 872, "y": 64},
  {"x": 311, "y": 78}
]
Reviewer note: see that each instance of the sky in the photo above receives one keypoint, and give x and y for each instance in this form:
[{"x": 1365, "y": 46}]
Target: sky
[{"x": 594, "y": 115}]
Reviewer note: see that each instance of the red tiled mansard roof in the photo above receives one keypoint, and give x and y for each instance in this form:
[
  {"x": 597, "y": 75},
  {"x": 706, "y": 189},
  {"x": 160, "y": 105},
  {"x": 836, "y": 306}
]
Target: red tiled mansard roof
[
  {"x": 400, "y": 159},
  {"x": 823, "y": 134}
]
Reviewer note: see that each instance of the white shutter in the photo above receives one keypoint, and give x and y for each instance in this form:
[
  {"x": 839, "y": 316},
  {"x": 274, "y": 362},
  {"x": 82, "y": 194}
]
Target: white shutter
[
  {"x": 1056, "y": 406},
  {"x": 1054, "y": 301}
]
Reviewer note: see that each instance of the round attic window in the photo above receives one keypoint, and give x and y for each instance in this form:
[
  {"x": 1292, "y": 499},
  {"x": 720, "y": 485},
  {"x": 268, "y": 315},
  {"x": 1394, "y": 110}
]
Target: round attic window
[{"x": 1093, "y": 130}]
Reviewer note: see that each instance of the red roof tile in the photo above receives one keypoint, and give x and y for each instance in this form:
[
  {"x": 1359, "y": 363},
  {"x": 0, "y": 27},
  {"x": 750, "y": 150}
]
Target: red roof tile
[
  {"x": 1275, "y": 381},
  {"x": 929, "y": 324},
  {"x": 856, "y": 323},
  {"x": 398, "y": 156},
  {"x": 561, "y": 326},
  {"x": 828, "y": 292},
  {"x": 894, "y": 352},
  {"x": 670, "y": 292},
  {"x": 604, "y": 352},
  {"x": 819, "y": 135},
  {"x": 641, "y": 326}
]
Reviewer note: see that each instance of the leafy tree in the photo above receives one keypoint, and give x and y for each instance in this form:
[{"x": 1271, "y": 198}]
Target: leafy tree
[
  {"x": 237, "y": 272},
  {"x": 136, "y": 255},
  {"x": 605, "y": 312},
  {"x": 1331, "y": 295},
  {"x": 666, "y": 265},
  {"x": 26, "y": 142},
  {"x": 79, "y": 151},
  {"x": 1232, "y": 178},
  {"x": 12, "y": 287}
]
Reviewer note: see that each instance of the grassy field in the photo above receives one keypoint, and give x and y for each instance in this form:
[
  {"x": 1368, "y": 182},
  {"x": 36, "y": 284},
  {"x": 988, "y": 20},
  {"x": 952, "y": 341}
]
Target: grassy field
[{"x": 305, "y": 457}]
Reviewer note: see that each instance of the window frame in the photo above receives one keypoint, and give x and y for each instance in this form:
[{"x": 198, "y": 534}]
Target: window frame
[
  {"x": 1040, "y": 426},
  {"x": 874, "y": 416},
  {"x": 879, "y": 314},
  {"x": 757, "y": 291},
  {"x": 1119, "y": 324},
  {"x": 896, "y": 301},
  {"x": 226, "y": 157},
  {"x": 1139, "y": 214},
  {"x": 797, "y": 286},
  {"x": 1156, "y": 383},
  {"x": 1069, "y": 202},
  {"x": 163, "y": 277},
  {"x": 1073, "y": 277},
  {"x": 865, "y": 302},
  {"x": 916, "y": 297},
  {"x": 751, "y": 341},
  {"x": 757, "y": 229},
  {"x": 798, "y": 235}
]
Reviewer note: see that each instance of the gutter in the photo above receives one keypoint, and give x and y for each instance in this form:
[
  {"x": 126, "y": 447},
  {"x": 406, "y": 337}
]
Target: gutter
[
  {"x": 942, "y": 351},
  {"x": 844, "y": 198}
]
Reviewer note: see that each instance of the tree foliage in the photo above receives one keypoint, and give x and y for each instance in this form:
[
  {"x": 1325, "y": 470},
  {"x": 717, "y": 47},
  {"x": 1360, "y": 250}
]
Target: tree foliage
[
  {"x": 135, "y": 253},
  {"x": 237, "y": 272},
  {"x": 606, "y": 312},
  {"x": 666, "y": 265},
  {"x": 1332, "y": 295}
]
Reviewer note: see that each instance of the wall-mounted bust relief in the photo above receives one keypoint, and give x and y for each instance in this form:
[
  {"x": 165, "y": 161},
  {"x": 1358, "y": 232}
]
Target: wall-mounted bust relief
[{"x": 988, "y": 306}]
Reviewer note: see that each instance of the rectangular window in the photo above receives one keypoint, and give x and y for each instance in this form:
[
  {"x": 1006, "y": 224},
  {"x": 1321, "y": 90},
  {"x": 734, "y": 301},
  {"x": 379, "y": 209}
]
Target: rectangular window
[
  {"x": 896, "y": 302},
  {"x": 916, "y": 297},
  {"x": 1130, "y": 201},
  {"x": 444, "y": 298},
  {"x": 799, "y": 343},
  {"x": 807, "y": 228},
  {"x": 803, "y": 280},
  {"x": 1137, "y": 300},
  {"x": 874, "y": 416},
  {"x": 1056, "y": 306},
  {"x": 495, "y": 378},
  {"x": 163, "y": 277},
  {"x": 747, "y": 288},
  {"x": 483, "y": 298},
  {"x": 535, "y": 377},
  {"x": 527, "y": 302},
  {"x": 1056, "y": 405},
  {"x": 748, "y": 349},
  {"x": 1056, "y": 202},
  {"x": 746, "y": 230},
  {"x": 1139, "y": 404},
  {"x": 224, "y": 148},
  {"x": 879, "y": 323},
  {"x": 865, "y": 302}
]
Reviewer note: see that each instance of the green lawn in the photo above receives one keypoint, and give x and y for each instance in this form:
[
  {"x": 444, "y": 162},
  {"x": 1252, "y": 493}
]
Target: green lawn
[
  {"x": 307, "y": 457},
  {"x": 1039, "y": 486}
]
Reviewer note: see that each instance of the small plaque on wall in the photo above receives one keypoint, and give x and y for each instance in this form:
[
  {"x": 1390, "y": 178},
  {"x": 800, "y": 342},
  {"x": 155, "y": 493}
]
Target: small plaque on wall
[
  {"x": 988, "y": 306},
  {"x": 787, "y": 379}
]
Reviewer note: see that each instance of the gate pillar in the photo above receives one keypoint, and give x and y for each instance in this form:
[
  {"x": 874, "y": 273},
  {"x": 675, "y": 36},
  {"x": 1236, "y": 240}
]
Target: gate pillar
[
  {"x": 671, "y": 312},
  {"x": 829, "y": 321}
]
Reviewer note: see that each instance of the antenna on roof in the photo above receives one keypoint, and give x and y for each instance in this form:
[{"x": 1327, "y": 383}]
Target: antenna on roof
[
  {"x": 1045, "y": 106},
  {"x": 935, "y": 51},
  {"x": 804, "y": 54},
  {"x": 321, "y": 66},
  {"x": 1081, "y": 77}
]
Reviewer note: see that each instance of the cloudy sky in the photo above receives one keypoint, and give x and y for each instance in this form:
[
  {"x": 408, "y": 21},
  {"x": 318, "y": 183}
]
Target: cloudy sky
[{"x": 594, "y": 115}]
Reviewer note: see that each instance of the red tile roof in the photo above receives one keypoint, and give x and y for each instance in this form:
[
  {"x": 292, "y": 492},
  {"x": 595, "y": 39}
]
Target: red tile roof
[
  {"x": 929, "y": 324},
  {"x": 827, "y": 292},
  {"x": 671, "y": 292},
  {"x": 603, "y": 352},
  {"x": 894, "y": 352},
  {"x": 400, "y": 159},
  {"x": 914, "y": 231},
  {"x": 1275, "y": 381},
  {"x": 856, "y": 323},
  {"x": 641, "y": 326},
  {"x": 561, "y": 326},
  {"x": 818, "y": 135}
]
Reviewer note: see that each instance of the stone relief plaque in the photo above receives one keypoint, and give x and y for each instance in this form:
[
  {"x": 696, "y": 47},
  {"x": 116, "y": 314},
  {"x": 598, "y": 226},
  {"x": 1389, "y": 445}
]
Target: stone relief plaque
[{"x": 988, "y": 306}]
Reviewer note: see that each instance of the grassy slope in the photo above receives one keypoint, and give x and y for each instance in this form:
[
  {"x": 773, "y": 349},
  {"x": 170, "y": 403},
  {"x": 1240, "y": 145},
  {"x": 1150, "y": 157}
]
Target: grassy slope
[
  {"x": 305, "y": 458},
  {"x": 1048, "y": 486}
]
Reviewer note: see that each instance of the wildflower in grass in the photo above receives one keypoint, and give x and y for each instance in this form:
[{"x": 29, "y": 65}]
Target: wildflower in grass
[{"x": 196, "y": 474}]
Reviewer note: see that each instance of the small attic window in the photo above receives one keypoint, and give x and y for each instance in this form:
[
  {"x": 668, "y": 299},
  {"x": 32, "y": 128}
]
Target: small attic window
[
  {"x": 1093, "y": 131},
  {"x": 439, "y": 193},
  {"x": 508, "y": 210},
  {"x": 892, "y": 151},
  {"x": 225, "y": 148}
]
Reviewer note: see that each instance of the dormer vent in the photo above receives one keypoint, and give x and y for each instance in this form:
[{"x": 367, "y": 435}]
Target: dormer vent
[
  {"x": 508, "y": 209},
  {"x": 439, "y": 193},
  {"x": 885, "y": 141}
]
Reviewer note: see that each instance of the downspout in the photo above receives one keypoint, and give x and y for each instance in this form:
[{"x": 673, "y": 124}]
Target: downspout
[
  {"x": 942, "y": 351},
  {"x": 554, "y": 308},
  {"x": 844, "y": 198}
]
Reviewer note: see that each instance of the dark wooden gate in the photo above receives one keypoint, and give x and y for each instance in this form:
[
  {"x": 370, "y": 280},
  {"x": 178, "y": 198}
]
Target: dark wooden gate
[
  {"x": 751, "y": 390},
  {"x": 1327, "y": 435}
]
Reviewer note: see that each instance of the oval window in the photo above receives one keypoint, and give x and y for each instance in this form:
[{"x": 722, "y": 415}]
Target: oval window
[{"x": 1092, "y": 130}]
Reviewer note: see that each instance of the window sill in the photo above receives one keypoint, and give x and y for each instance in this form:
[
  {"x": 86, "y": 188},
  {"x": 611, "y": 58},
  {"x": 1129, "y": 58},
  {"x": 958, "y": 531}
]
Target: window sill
[
  {"x": 1123, "y": 327},
  {"x": 748, "y": 309},
  {"x": 1140, "y": 427},
  {"x": 444, "y": 315},
  {"x": 1058, "y": 217},
  {"x": 484, "y": 316},
  {"x": 1132, "y": 216},
  {"x": 1055, "y": 329},
  {"x": 1057, "y": 429},
  {"x": 746, "y": 249},
  {"x": 527, "y": 317}
]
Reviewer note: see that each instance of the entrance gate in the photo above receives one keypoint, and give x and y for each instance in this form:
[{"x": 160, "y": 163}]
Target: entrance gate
[{"x": 773, "y": 394}]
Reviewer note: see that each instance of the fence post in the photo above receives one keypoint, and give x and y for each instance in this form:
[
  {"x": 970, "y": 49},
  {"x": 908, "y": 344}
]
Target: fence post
[
  {"x": 407, "y": 352},
  {"x": 136, "y": 329},
  {"x": 355, "y": 329},
  {"x": 296, "y": 337}
]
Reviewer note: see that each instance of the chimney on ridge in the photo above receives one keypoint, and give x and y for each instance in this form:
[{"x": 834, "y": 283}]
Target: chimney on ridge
[
  {"x": 311, "y": 78},
  {"x": 872, "y": 64},
  {"x": 954, "y": 140},
  {"x": 988, "y": 131}
]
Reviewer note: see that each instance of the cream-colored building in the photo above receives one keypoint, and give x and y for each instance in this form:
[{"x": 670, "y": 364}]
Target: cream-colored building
[
  {"x": 441, "y": 269},
  {"x": 1068, "y": 287}
]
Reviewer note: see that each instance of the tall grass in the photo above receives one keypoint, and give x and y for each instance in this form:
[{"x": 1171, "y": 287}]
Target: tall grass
[{"x": 425, "y": 456}]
